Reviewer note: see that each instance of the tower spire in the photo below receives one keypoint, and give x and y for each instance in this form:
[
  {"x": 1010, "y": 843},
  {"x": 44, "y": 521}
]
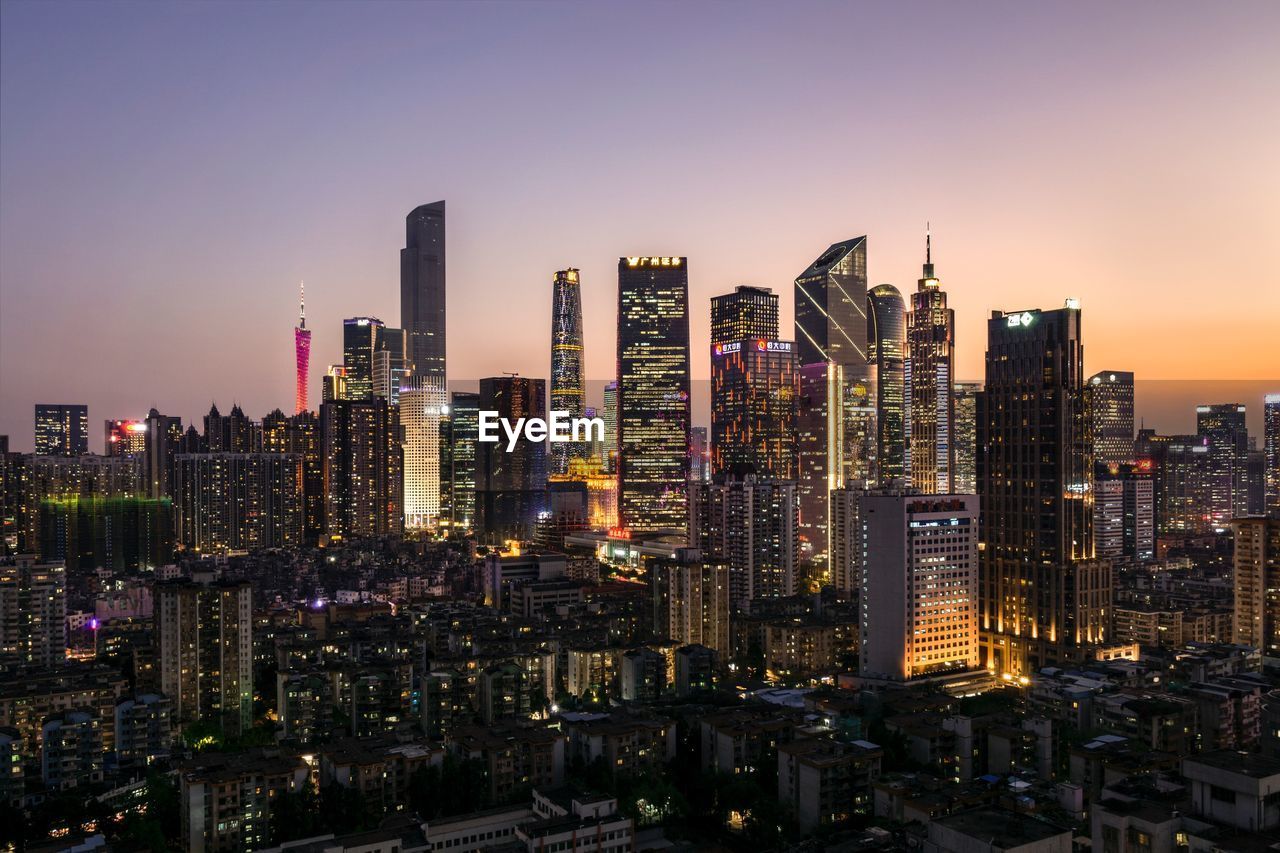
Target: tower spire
[
  {"x": 302, "y": 305},
  {"x": 928, "y": 251}
]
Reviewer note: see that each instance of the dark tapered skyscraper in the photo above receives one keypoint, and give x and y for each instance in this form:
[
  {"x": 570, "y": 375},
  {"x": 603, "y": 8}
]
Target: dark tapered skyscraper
[
  {"x": 568, "y": 391},
  {"x": 422, "y": 291},
  {"x": 361, "y": 339},
  {"x": 886, "y": 363},
  {"x": 653, "y": 392},
  {"x": 831, "y": 309},
  {"x": 1043, "y": 597},
  {"x": 1110, "y": 398},
  {"x": 61, "y": 430},
  {"x": 931, "y": 335}
]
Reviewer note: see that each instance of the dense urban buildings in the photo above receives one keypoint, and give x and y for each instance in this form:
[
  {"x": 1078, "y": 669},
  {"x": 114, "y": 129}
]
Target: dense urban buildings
[
  {"x": 1223, "y": 427},
  {"x": 653, "y": 392},
  {"x": 1110, "y": 402},
  {"x": 931, "y": 340},
  {"x": 1256, "y": 573},
  {"x": 33, "y": 611},
  {"x": 61, "y": 430},
  {"x": 238, "y": 501},
  {"x": 691, "y": 599},
  {"x": 510, "y": 486},
  {"x": 422, "y": 290},
  {"x": 752, "y": 523},
  {"x": 363, "y": 464},
  {"x": 568, "y": 388}
]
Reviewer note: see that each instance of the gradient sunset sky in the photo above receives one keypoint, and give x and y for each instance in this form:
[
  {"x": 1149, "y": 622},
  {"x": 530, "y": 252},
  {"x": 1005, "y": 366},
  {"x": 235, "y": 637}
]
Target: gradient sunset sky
[{"x": 169, "y": 172}]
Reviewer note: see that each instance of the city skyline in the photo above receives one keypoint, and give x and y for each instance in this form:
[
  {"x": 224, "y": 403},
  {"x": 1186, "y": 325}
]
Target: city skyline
[{"x": 1043, "y": 198}]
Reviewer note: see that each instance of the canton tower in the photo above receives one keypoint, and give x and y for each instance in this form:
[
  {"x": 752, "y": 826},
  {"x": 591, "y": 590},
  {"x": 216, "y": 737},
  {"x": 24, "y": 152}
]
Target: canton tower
[{"x": 302, "y": 351}]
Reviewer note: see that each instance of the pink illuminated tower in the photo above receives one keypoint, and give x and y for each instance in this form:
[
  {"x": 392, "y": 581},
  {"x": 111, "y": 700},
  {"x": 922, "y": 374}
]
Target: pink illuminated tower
[{"x": 302, "y": 349}]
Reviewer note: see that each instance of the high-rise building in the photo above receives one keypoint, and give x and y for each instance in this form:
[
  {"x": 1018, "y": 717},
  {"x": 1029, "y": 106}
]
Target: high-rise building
[
  {"x": 653, "y": 393},
  {"x": 1228, "y": 480},
  {"x": 1179, "y": 465},
  {"x": 301, "y": 353},
  {"x": 820, "y": 448},
  {"x": 391, "y": 367},
  {"x": 124, "y": 438},
  {"x": 919, "y": 589},
  {"x": 931, "y": 340},
  {"x": 33, "y": 605},
  {"x": 1271, "y": 451},
  {"x": 755, "y": 388},
  {"x": 847, "y": 543},
  {"x": 691, "y": 600},
  {"x": 610, "y": 415},
  {"x": 302, "y": 437},
  {"x": 61, "y": 430},
  {"x": 163, "y": 436},
  {"x": 121, "y": 534},
  {"x": 363, "y": 468},
  {"x": 753, "y": 524},
  {"x": 965, "y": 437},
  {"x": 511, "y": 487},
  {"x": 747, "y": 313},
  {"x": 1109, "y": 396},
  {"x": 422, "y": 411},
  {"x": 422, "y": 290},
  {"x": 1043, "y": 597},
  {"x": 204, "y": 636},
  {"x": 887, "y": 374},
  {"x": 238, "y": 501},
  {"x": 1124, "y": 511},
  {"x": 1256, "y": 572},
  {"x": 568, "y": 387},
  {"x": 67, "y": 479},
  {"x": 831, "y": 328},
  {"x": 334, "y": 384},
  {"x": 458, "y": 461},
  {"x": 361, "y": 338}
]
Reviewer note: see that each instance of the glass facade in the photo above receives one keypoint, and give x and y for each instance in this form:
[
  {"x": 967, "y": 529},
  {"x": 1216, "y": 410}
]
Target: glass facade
[
  {"x": 887, "y": 369},
  {"x": 931, "y": 348},
  {"x": 422, "y": 290},
  {"x": 1110, "y": 399},
  {"x": 360, "y": 340},
  {"x": 61, "y": 430},
  {"x": 568, "y": 391}
]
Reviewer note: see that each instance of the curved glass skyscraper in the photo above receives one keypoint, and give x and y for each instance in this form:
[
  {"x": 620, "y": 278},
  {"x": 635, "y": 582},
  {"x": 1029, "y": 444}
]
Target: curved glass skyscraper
[
  {"x": 568, "y": 393},
  {"x": 887, "y": 370}
]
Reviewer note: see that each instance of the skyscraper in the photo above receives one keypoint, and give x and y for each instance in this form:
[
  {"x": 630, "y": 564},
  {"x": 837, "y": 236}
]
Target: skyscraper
[
  {"x": 33, "y": 605},
  {"x": 610, "y": 415},
  {"x": 691, "y": 599},
  {"x": 422, "y": 290},
  {"x": 391, "y": 367},
  {"x": 1271, "y": 451},
  {"x": 887, "y": 369},
  {"x": 363, "y": 468},
  {"x": 124, "y": 438},
  {"x": 1043, "y": 597},
  {"x": 931, "y": 334},
  {"x": 1124, "y": 512},
  {"x": 965, "y": 436},
  {"x": 360, "y": 340},
  {"x": 1224, "y": 427},
  {"x": 164, "y": 435},
  {"x": 237, "y": 501},
  {"x": 653, "y": 393},
  {"x": 755, "y": 385},
  {"x": 753, "y": 524},
  {"x": 301, "y": 352},
  {"x": 61, "y": 430},
  {"x": 919, "y": 590},
  {"x": 1179, "y": 465},
  {"x": 458, "y": 461},
  {"x": 511, "y": 487},
  {"x": 820, "y": 450},
  {"x": 1256, "y": 572},
  {"x": 568, "y": 391},
  {"x": 422, "y": 410},
  {"x": 1110, "y": 399}
]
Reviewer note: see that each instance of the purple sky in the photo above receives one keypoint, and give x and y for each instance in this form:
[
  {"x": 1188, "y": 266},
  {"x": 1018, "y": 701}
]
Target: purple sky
[{"x": 168, "y": 173}]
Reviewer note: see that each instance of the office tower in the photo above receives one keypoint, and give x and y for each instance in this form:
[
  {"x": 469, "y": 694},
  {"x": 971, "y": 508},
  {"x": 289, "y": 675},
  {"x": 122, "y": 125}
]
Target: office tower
[
  {"x": 1179, "y": 465},
  {"x": 610, "y": 415},
  {"x": 1043, "y": 598},
  {"x": 1256, "y": 619},
  {"x": 748, "y": 313},
  {"x": 1123, "y": 512},
  {"x": 887, "y": 374},
  {"x": 163, "y": 436},
  {"x": 422, "y": 290},
  {"x": 755, "y": 386},
  {"x": 363, "y": 468},
  {"x": 820, "y": 449},
  {"x": 965, "y": 436},
  {"x": 1255, "y": 480},
  {"x": 1271, "y": 451},
  {"x": 831, "y": 327},
  {"x": 361, "y": 338},
  {"x": 653, "y": 393},
  {"x": 422, "y": 410},
  {"x": 238, "y": 501},
  {"x": 753, "y": 524},
  {"x": 124, "y": 438},
  {"x": 919, "y": 590},
  {"x": 333, "y": 386},
  {"x": 568, "y": 363},
  {"x": 1109, "y": 397},
  {"x": 1224, "y": 426},
  {"x": 33, "y": 604},
  {"x": 302, "y": 437},
  {"x": 204, "y": 647},
  {"x": 699, "y": 455},
  {"x": 931, "y": 335},
  {"x": 301, "y": 353},
  {"x": 511, "y": 487},
  {"x": 391, "y": 368},
  {"x": 691, "y": 600},
  {"x": 458, "y": 461},
  {"x": 61, "y": 430}
]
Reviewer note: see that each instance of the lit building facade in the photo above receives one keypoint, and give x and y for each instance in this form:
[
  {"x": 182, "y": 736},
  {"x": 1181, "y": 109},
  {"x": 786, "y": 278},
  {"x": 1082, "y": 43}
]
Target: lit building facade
[
  {"x": 422, "y": 290},
  {"x": 301, "y": 354},
  {"x": 238, "y": 501},
  {"x": 887, "y": 373},
  {"x": 360, "y": 340},
  {"x": 458, "y": 434},
  {"x": 1256, "y": 573},
  {"x": 33, "y": 605},
  {"x": 511, "y": 487},
  {"x": 125, "y": 438},
  {"x": 610, "y": 415},
  {"x": 1043, "y": 596},
  {"x": 747, "y": 313},
  {"x": 753, "y": 524},
  {"x": 1124, "y": 511},
  {"x": 392, "y": 369},
  {"x": 965, "y": 436},
  {"x": 61, "y": 430},
  {"x": 423, "y": 410},
  {"x": 1109, "y": 395},
  {"x": 691, "y": 600},
  {"x": 820, "y": 449},
  {"x": 919, "y": 589},
  {"x": 931, "y": 338},
  {"x": 755, "y": 386},
  {"x": 363, "y": 468},
  {"x": 1271, "y": 451},
  {"x": 1223, "y": 425},
  {"x": 653, "y": 393},
  {"x": 568, "y": 388}
]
